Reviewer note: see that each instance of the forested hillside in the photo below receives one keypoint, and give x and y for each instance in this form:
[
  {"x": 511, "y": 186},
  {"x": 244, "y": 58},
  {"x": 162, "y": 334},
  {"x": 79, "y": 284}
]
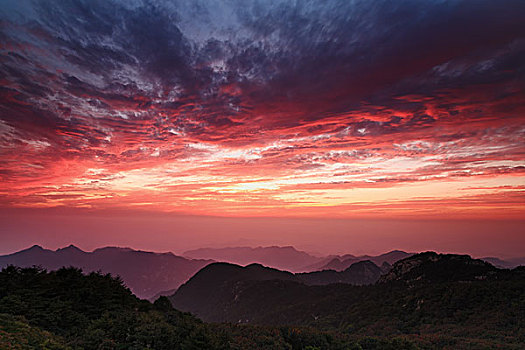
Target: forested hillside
[
  {"x": 427, "y": 301},
  {"x": 453, "y": 300},
  {"x": 66, "y": 309}
]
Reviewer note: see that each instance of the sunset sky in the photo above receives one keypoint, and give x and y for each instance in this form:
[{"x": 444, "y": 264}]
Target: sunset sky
[{"x": 209, "y": 120}]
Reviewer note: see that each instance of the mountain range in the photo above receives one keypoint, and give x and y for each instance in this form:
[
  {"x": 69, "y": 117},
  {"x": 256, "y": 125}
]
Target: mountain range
[
  {"x": 340, "y": 263},
  {"x": 150, "y": 275},
  {"x": 284, "y": 258},
  {"x": 226, "y": 281},
  {"x": 437, "y": 301},
  {"x": 146, "y": 274},
  {"x": 67, "y": 309},
  {"x": 505, "y": 264},
  {"x": 290, "y": 259},
  {"x": 427, "y": 295}
]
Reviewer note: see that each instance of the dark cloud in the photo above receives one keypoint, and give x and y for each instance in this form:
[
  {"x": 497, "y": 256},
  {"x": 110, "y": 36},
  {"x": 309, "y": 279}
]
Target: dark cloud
[
  {"x": 316, "y": 57},
  {"x": 118, "y": 81}
]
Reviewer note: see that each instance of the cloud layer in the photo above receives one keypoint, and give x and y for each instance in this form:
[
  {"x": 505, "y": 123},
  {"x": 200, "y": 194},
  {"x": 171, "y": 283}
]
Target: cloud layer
[{"x": 248, "y": 108}]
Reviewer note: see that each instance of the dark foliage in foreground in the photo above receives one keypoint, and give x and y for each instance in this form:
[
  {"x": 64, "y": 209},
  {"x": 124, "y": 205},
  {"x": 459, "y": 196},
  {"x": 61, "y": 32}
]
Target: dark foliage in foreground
[
  {"x": 65, "y": 309},
  {"x": 93, "y": 311},
  {"x": 427, "y": 301}
]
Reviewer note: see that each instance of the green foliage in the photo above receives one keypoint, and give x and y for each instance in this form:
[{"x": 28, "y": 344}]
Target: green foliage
[
  {"x": 97, "y": 312},
  {"x": 68, "y": 310},
  {"x": 17, "y": 334},
  {"x": 303, "y": 338}
]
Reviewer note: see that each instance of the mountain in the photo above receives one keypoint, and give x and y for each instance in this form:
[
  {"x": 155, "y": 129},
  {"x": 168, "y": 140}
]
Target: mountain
[
  {"x": 66, "y": 309},
  {"x": 322, "y": 263},
  {"x": 290, "y": 259},
  {"x": 502, "y": 264},
  {"x": 464, "y": 302},
  {"x": 340, "y": 263},
  {"x": 389, "y": 258},
  {"x": 222, "y": 279},
  {"x": 225, "y": 280},
  {"x": 385, "y": 267},
  {"x": 163, "y": 293},
  {"x": 360, "y": 273},
  {"x": 283, "y": 258},
  {"x": 145, "y": 273},
  {"x": 433, "y": 267},
  {"x": 505, "y": 264}
]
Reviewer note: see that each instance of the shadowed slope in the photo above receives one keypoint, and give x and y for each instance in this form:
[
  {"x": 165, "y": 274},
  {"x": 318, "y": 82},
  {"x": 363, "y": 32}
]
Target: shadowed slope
[
  {"x": 433, "y": 267},
  {"x": 218, "y": 286},
  {"x": 468, "y": 302},
  {"x": 359, "y": 273}
]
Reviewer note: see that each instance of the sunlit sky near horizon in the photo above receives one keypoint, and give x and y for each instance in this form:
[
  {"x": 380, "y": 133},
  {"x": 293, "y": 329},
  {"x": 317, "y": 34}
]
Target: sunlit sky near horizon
[{"x": 310, "y": 109}]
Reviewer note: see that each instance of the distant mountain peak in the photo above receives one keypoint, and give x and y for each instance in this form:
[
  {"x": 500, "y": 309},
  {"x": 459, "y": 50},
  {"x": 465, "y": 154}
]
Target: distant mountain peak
[
  {"x": 33, "y": 249},
  {"x": 111, "y": 248},
  {"x": 70, "y": 248},
  {"x": 363, "y": 263},
  {"x": 397, "y": 251},
  {"x": 280, "y": 257}
]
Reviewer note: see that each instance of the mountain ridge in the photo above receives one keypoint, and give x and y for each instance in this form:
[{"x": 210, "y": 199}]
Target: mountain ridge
[
  {"x": 431, "y": 282},
  {"x": 145, "y": 273},
  {"x": 228, "y": 280},
  {"x": 280, "y": 257}
]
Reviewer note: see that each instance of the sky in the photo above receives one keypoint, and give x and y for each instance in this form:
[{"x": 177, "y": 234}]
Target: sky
[{"x": 334, "y": 125}]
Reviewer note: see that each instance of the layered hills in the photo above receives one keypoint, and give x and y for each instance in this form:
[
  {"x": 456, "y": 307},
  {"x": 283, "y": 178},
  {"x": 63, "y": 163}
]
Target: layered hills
[
  {"x": 284, "y": 258},
  {"x": 427, "y": 300},
  {"x": 150, "y": 275},
  {"x": 227, "y": 280},
  {"x": 428, "y": 294},
  {"x": 146, "y": 273},
  {"x": 290, "y": 259},
  {"x": 66, "y": 309},
  {"x": 339, "y": 263}
]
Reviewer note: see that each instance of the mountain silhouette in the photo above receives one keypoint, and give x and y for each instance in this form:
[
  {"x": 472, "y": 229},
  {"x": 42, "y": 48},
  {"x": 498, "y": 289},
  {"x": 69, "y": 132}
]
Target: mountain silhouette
[
  {"x": 433, "y": 267},
  {"x": 504, "y": 263},
  {"x": 427, "y": 294},
  {"x": 145, "y": 273},
  {"x": 228, "y": 280},
  {"x": 340, "y": 263},
  {"x": 359, "y": 273},
  {"x": 284, "y": 258}
]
